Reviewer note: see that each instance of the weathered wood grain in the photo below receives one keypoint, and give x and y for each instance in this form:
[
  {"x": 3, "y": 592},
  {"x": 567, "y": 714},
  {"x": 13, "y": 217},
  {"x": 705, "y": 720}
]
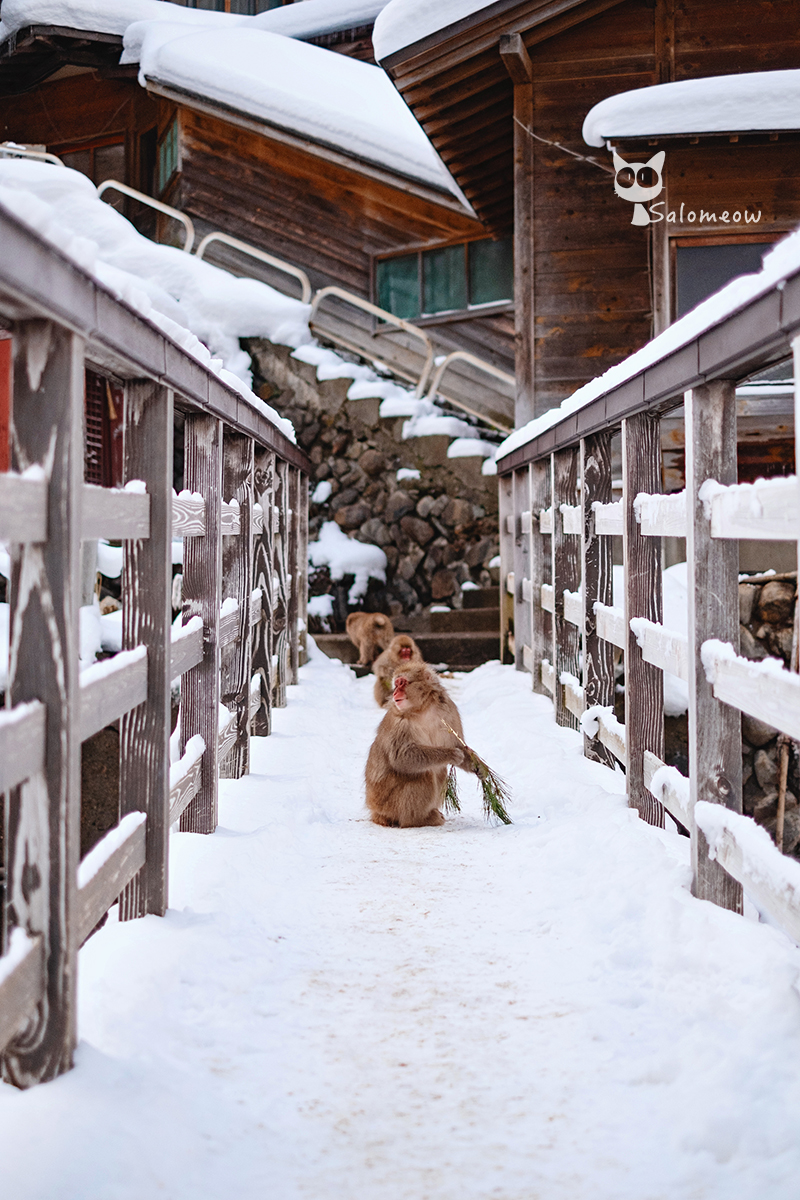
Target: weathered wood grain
[
  {"x": 518, "y": 65},
  {"x": 112, "y": 688},
  {"x": 566, "y": 577},
  {"x": 644, "y": 683},
  {"x": 202, "y": 588},
  {"x": 302, "y": 565},
  {"x": 296, "y": 574},
  {"x": 21, "y": 990},
  {"x": 183, "y": 791},
  {"x": 505, "y": 486},
  {"x": 23, "y": 509},
  {"x": 671, "y": 798},
  {"x": 43, "y": 814},
  {"x": 263, "y": 555},
  {"x": 598, "y": 656},
  {"x": 186, "y": 651},
  {"x": 541, "y": 570},
  {"x": 281, "y": 565},
  {"x": 22, "y": 733},
  {"x": 715, "y": 729},
  {"x": 663, "y": 648},
  {"x": 188, "y": 515},
  {"x": 147, "y": 621},
  {"x": 237, "y": 584},
  {"x": 772, "y": 696},
  {"x": 120, "y": 866},
  {"x": 231, "y": 519},
  {"x": 523, "y": 616},
  {"x": 115, "y": 514}
]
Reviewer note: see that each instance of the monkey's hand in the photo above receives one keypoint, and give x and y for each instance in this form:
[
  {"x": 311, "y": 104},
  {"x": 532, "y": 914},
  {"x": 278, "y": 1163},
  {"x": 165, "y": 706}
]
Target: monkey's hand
[{"x": 465, "y": 761}]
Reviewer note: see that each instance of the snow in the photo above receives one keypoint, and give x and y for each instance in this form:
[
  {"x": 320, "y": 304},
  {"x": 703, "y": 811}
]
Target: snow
[
  {"x": 433, "y": 425},
  {"x": 97, "y": 857},
  {"x": 404, "y": 22},
  {"x": 763, "y": 100},
  {"x": 321, "y": 607},
  {"x": 110, "y": 666},
  {"x": 345, "y": 556},
  {"x": 760, "y": 858},
  {"x": 782, "y": 261},
  {"x": 407, "y": 473},
  {"x": 91, "y": 637},
  {"x": 109, "y": 560},
  {"x": 19, "y": 946},
  {"x": 195, "y": 749},
  {"x": 329, "y": 98},
  {"x": 338, "y": 1011},
  {"x": 466, "y": 447},
  {"x": 321, "y": 492},
  {"x": 671, "y": 777},
  {"x": 228, "y": 606}
]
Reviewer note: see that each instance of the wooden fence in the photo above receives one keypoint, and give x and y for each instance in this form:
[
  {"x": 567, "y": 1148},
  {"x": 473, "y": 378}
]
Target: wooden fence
[
  {"x": 242, "y": 516},
  {"x": 558, "y": 518}
]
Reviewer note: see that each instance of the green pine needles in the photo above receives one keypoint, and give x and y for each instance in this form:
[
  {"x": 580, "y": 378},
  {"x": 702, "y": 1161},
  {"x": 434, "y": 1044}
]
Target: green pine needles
[{"x": 495, "y": 792}]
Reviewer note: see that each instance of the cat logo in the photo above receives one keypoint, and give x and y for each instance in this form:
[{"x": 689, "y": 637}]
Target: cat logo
[{"x": 639, "y": 182}]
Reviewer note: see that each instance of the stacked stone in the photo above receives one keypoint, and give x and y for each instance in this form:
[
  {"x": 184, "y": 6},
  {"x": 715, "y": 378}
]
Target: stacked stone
[{"x": 766, "y": 615}]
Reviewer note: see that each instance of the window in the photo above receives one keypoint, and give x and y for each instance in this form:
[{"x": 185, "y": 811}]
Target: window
[
  {"x": 168, "y": 156},
  {"x": 701, "y": 270},
  {"x": 247, "y": 8},
  {"x": 447, "y": 279},
  {"x": 100, "y": 160}
]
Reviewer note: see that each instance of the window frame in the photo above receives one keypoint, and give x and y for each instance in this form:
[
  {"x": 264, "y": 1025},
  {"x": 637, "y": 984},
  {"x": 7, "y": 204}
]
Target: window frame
[
  {"x": 161, "y": 189},
  {"x": 444, "y": 316}
]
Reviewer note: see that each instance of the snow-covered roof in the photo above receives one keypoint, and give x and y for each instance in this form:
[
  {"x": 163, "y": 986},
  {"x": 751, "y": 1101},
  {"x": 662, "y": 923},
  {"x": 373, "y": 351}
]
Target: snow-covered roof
[
  {"x": 404, "y": 22},
  {"x": 329, "y": 98},
  {"x": 782, "y": 261},
  {"x": 758, "y": 100}
]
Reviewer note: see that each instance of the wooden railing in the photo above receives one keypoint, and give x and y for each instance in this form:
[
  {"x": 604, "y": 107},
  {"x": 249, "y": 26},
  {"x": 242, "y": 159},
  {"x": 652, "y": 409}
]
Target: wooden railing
[
  {"x": 241, "y": 641},
  {"x": 557, "y": 524}
]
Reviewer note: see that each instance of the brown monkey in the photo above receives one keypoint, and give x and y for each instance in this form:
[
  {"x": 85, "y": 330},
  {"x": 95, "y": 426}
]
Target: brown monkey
[
  {"x": 407, "y": 764},
  {"x": 401, "y": 651},
  {"x": 371, "y": 632}
]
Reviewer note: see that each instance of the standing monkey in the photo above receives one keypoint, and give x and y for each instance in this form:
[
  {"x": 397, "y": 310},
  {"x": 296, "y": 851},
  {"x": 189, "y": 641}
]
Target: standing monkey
[
  {"x": 408, "y": 762},
  {"x": 399, "y": 653},
  {"x": 371, "y": 633}
]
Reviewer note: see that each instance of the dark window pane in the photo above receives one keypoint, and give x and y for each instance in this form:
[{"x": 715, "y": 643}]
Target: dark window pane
[
  {"x": 702, "y": 270},
  {"x": 444, "y": 279},
  {"x": 491, "y": 271},
  {"x": 398, "y": 285}
]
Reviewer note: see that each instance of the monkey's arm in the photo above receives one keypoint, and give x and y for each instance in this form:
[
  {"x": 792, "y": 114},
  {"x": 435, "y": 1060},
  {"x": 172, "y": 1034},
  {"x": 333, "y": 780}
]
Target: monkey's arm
[{"x": 409, "y": 758}]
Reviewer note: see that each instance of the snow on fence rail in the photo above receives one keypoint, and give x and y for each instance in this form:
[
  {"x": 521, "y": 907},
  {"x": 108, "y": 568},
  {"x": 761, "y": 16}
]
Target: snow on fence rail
[
  {"x": 244, "y": 602},
  {"x": 557, "y": 521}
]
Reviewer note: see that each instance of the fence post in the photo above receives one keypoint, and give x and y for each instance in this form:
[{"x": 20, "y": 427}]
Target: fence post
[
  {"x": 43, "y": 815},
  {"x": 281, "y": 568},
  {"x": 237, "y": 583},
  {"x": 295, "y": 579},
  {"x": 566, "y": 577},
  {"x": 202, "y": 587},
  {"x": 523, "y": 622},
  {"x": 541, "y": 568},
  {"x": 715, "y": 729},
  {"x": 302, "y": 565},
  {"x": 644, "y": 683},
  {"x": 598, "y": 654},
  {"x": 264, "y": 570},
  {"x": 506, "y": 515},
  {"x": 146, "y": 620}
]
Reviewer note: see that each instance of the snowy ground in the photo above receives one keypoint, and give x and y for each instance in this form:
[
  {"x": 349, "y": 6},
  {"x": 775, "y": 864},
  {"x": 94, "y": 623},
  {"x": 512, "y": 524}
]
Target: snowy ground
[{"x": 335, "y": 1011}]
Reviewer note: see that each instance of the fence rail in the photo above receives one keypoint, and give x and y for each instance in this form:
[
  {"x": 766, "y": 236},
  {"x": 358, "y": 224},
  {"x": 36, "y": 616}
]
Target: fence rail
[
  {"x": 244, "y": 580},
  {"x": 557, "y": 522}
]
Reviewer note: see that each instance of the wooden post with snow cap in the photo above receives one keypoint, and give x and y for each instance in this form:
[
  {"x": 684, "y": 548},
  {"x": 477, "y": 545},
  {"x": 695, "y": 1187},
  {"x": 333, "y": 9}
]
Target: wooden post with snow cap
[
  {"x": 598, "y": 654},
  {"x": 541, "y": 571},
  {"x": 43, "y": 817},
  {"x": 263, "y": 576},
  {"x": 295, "y": 580},
  {"x": 237, "y": 584},
  {"x": 507, "y": 581},
  {"x": 281, "y": 567},
  {"x": 715, "y": 728},
  {"x": 566, "y": 577},
  {"x": 644, "y": 683},
  {"x": 302, "y": 566},
  {"x": 146, "y": 621},
  {"x": 521, "y": 518},
  {"x": 202, "y": 595}
]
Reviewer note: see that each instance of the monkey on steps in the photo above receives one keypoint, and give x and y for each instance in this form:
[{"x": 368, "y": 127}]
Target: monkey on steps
[
  {"x": 371, "y": 633},
  {"x": 408, "y": 762},
  {"x": 398, "y": 654}
]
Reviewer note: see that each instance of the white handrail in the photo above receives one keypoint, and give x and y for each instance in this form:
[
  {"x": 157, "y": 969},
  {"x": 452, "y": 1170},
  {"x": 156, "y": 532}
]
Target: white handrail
[
  {"x": 465, "y": 356},
  {"x": 366, "y": 306},
  {"x": 151, "y": 203},
  {"x": 11, "y": 148},
  {"x": 262, "y": 255}
]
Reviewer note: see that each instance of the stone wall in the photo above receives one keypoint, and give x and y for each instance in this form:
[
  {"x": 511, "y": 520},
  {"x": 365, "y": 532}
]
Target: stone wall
[{"x": 437, "y": 531}]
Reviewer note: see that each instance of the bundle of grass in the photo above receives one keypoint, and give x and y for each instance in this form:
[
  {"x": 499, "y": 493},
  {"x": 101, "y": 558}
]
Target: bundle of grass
[{"x": 495, "y": 792}]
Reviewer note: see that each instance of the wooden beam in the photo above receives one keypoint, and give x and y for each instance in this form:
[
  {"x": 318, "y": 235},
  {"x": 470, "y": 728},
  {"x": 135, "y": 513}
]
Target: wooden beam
[
  {"x": 506, "y": 504},
  {"x": 281, "y": 568},
  {"x": 523, "y": 621},
  {"x": 263, "y": 556},
  {"x": 22, "y": 732},
  {"x": 296, "y": 572},
  {"x": 598, "y": 654},
  {"x": 541, "y": 570},
  {"x": 519, "y": 66},
  {"x": 715, "y": 729},
  {"x": 566, "y": 577},
  {"x": 515, "y": 58},
  {"x": 237, "y": 583},
  {"x": 109, "y": 869}
]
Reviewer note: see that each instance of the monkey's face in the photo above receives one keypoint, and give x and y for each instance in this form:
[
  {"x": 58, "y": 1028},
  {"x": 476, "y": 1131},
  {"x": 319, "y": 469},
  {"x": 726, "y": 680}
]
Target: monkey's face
[
  {"x": 400, "y": 693},
  {"x": 405, "y": 653}
]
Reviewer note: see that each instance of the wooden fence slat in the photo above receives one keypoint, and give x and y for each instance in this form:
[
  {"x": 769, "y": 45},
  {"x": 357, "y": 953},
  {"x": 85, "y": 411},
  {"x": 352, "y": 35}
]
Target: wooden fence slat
[
  {"x": 768, "y": 510},
  {"x": 108, "y": 869},
  {"x": 188, "y": 514},
  {"x": 611, "y": 625},
  {"x": 548, "y": 676},
  {"x": 662, "y": 647},
  {"x": 263, "y": 555},
  {"x": 22, "y": 732},
  {"x": 237, "y": 584},
  {"x": 23, "y": 507},
  {"x": 573, "y": 608},
  {"x": 302, "y": 565},
  {"x": 521, "y": 551},
  {"x": 598, "y": 657},
  {"x": 715, "y": 730},
  {"x": 186, "y": 648},
  {"x": 507, "y": 631},
  {"x": 297, "y": 575},
  {"x": 566, "y": 576},
  {"x": 673, "y": 798},
  {"x": 661, "y": 516},
  {"x": 644, "y": 683},
  {"x": 281, "y": 611},
  {"x": 115, "y": 514},
  {"x": 546, "y": 515},
  {"x": 231, "y": 518},
  {"x": 43, "y": 814},
  {"x": 21, "y": 983},
  {"x": 541, "y": 569},
  {"x": 609, "y": 519},
  {"x": 147, "y": 621},
  {"x": 202, "y": 586},
  {"x": 571, "y": 517},
  {"x": 761, "y": 689},
  {"x": 112, "y": 688}
]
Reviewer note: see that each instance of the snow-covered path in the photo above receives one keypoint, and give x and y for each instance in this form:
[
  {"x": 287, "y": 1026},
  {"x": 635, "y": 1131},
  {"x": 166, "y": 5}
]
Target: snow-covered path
[{"x": 336, "y": 1011}]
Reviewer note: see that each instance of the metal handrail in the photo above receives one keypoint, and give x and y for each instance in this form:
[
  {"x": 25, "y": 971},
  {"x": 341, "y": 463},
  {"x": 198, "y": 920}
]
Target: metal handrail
[
  {"x": 366, "y": 306},
  {"x": 151, "y": 203},
  {"x": 262, "y": 255},
  {"x": 24, "y": 152},
  {"x": 465, "y": 356}
]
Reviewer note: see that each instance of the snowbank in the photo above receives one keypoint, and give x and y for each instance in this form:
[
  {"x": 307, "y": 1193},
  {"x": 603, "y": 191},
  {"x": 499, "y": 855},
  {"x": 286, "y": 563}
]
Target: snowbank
[
  {"x": 404, "y": 22},
  {"x": 345, "y": 556},
  {"x": 782, "y": 261},
  {"x": 763, "y": 100}
]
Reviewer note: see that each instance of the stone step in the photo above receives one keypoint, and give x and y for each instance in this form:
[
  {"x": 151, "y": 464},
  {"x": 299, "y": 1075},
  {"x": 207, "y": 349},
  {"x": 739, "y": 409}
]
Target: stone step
[
  {"x": 465, "y": 620},
  {"x": 488, "y": 597},
  {"x": 461, "y": 651}
]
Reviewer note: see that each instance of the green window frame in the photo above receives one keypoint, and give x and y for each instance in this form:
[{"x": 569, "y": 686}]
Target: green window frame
[
  {"x": 446, "y": 279},
  {"x": 168, "y": 156}
]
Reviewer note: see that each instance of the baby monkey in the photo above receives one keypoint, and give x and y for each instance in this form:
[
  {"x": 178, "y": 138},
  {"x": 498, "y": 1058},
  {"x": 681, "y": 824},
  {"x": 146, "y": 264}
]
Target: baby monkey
[
  {"x": 401, "y": 651},
  {"x": 408, "y": 762}
]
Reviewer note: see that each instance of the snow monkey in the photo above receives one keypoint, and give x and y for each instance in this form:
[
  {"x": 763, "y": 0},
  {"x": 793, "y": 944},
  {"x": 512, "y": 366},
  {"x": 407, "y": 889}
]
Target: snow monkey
[
  {"x": 407, "y": 764},
  {"x": 371, "y": 633},
  {"x": 401, "y": 651},
  {"x": 638, "y": 182}
]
